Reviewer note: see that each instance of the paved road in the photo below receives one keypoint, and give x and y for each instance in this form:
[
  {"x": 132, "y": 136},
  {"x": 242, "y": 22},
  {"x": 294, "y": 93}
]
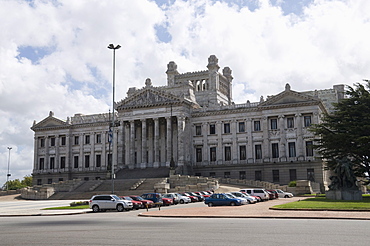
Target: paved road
[{"x": 113, "y": 228}]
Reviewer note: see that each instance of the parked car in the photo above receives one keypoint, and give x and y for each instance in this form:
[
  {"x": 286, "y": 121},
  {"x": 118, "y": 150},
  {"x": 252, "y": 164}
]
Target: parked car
[
  {"x": 105, "y": 202},
  {"x": 156, "y": 198},
  {"x": 221, "y": 199},
  {"x": 244, "y": 201},
  {"x": 175, "y": 198},
  {"x": 167, "y": 201},
  {"x": 200, "y": 197},
  {"x": 275, "y": 193},
  {"x": 284, "y": 194},
  {"x": 183, "y": 199},
  {"x": 257, "y": 192},
  {"x": 192, "y": 198},
  {"x": 251, "y": 199},
  {"x": 146, "y": 203},
  {"x": 271, "y": 195},
  {"x": 136, "y": 204}
]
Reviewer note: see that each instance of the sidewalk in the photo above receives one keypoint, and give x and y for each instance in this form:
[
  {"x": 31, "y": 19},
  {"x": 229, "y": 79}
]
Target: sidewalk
[{"x": 10, "y": 206}]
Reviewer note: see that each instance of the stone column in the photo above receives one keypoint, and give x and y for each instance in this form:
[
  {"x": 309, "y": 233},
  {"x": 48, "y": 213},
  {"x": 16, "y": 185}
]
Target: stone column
[
  {"x": 180, "y": 141},
  {"x": 35, "y": 154},
  {"x": 81, "y": 159},
  {"x": 234, "y": 147},
  {"x": 156, "y": 142},
  {"x": 266, "y": 142},
  {"x": 150, "y": 144},
  {"x": 249, "y": 143},
  {"x": 168, "y": 144},
  {"x": 47, "y": 157},
  {"x": 205, "y": 149},
  {"x": 219, "y": 150},
  {"x": 299, "y": 143},
  {"x": 127, "y": 143},
  {"x": 92, "y": 155},
  {"x": 283, "y": 143},
  {"x": 132, "y": 144},
  {"x": 104, "y": 150},
  {"x": 144, "y": 158},
  {"x": 69, "y": 156}
]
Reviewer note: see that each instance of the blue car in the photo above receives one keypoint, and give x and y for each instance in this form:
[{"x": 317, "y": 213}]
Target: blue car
[
  {"x": 155, "y": 197},
  {"x": 222, "y": 199}
]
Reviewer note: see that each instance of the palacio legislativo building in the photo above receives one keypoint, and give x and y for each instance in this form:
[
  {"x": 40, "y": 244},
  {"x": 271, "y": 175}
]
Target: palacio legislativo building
[{"x": 193, "y": 126}]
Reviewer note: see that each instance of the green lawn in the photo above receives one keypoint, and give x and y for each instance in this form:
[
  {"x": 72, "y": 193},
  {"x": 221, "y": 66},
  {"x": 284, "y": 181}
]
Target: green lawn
[{"x": 323, "y": 203}]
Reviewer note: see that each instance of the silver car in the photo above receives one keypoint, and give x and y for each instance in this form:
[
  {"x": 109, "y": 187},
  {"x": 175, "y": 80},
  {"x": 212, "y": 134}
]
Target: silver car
[
  {"x": 108, "y": 202},
  {"x": 251, "y": 200}
]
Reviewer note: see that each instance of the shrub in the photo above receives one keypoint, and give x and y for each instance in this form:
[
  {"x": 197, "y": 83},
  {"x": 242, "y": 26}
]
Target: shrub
[
  {"x": 292, "y": 183},
  {"x": 74, "y": 204}
]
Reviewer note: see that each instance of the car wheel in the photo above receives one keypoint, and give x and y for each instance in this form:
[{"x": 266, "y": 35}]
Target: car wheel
[
  {"x": 286, "y": 196},
  {"x": 120, "y": 208},
  {"x": 95, "y": 208},
  {"x": 182, "y": 201},
  {"x": 210, "y": 204},
  {"x": 260, "y": 199},
  {"x": 232, "y": 204},
  {"x": 249, "y": 202}
]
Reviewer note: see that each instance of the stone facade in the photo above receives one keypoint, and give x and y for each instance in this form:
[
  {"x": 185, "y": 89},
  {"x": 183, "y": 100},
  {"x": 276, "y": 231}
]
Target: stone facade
[{"x": 193, "y": 123}]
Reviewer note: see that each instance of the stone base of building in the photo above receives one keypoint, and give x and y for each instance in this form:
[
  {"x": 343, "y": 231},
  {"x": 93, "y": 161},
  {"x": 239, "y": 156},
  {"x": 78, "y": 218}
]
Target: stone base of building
[{"x": 349, "y": 195}]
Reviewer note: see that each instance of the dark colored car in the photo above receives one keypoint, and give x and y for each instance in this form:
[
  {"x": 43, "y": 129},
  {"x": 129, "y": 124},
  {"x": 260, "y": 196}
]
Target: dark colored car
[
  {"x": 156, "y": 198},
  {"x": 146, "y": 203},
  {"x": 222, "y": 199},
  {"x": 200, "y": 197},
  {"x": 276, "y": 194},
  {"x": 136, "y": 204}
]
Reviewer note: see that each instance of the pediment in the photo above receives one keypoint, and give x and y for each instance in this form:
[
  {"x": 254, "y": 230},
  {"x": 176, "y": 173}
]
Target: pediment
[
  {"x": 289, "y": 97},
  {"x": 49, "y": 122},
  {"x": 148, "y": 97}
]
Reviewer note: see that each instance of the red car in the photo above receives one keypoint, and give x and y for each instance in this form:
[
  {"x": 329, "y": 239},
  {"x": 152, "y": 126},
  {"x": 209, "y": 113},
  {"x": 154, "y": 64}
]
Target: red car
[
  {"x": 167, "y": 201},
  {"x": 146, "y": 203},
  {"x": 136, "y": 204},
  {"x": 275, "y": 194}
]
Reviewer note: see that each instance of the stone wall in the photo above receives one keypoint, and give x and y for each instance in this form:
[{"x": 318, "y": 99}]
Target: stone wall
[{"x": 186, "y": 183}]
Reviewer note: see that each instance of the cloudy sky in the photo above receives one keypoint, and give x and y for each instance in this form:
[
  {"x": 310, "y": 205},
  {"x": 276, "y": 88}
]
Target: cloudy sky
[{"x": 54, "y": 56}]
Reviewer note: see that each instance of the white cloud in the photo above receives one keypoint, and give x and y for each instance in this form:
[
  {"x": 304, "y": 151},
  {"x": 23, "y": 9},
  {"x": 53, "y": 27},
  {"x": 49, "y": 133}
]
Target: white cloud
[{"x": 265, "y": 47}]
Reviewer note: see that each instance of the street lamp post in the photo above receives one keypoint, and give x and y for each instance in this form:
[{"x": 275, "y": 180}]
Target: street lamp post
[
  {"x": 114, "y": 48},
  {"x": 8, "y": 174}
]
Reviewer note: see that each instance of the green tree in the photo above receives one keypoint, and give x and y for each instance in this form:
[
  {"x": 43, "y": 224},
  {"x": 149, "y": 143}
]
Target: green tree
[
  {"x": 17, "y": 184},
  {"x": 346, "y": 131},
  {"x": 27, "y": 181}
]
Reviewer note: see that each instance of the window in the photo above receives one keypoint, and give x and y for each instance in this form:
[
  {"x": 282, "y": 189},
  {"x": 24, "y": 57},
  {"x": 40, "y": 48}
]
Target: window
[
  {"x": 198, "y": 130},
  {"x": 60, "y": 179},
  {"x": 227, "y": 128},
  {"x": 98, "y": 161},
  {"x": 87, "y": 161},
  {"x": 39, "y": 182},
  {"x": 273, "y": 123},
  {"x": 76, "y": 142},
  {"x": 290, "y": 122},
  {"x": 226, "y": 175},
  {"x": 292, "y": 174},
  {"x": 42, "y": 142},
  {"x": 62, "y": 162},
  {"x": 307, "y": 121},
  {"x": 198, "y": 152},
  {"x": 75, "y": 161},
  {"x": 227, "y": 153},
  {"x": 212, "y": 153},
  {"x": 275, "y": 176},
  {"x": 212, "y": 174},
  {"x": 291, "y": 147},
  {"x": 309, "y": 148},
  {"x": 242, "y": 175},
  {"x": 212, "y": 129},
  {"x": 258, "y": 151},
  {"x": 52, "y": 162},
  {"x": 311, "y": 174},
  {"x": 98, "y": 138},
  {"x": 63, "y": 141},
  {"x": 257, "y": 125},
  {"x": 87, "y": 139},
  {"x": 241, "y": 127},
  {"x": 52, "y": 141},
  {"x": 50, "y": 181},
  {"x": 258, "y": 175},
  {"x": 42, "y": 163},
  {"x": 275, "y": 150},
  {"x": 242, "y": 152},
  {"x": 198, "y": 174}
]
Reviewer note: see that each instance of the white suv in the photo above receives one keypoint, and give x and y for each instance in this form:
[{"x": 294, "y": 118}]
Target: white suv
[
  {"x": 104, "y": 202},
  {"x": 256, "y": 192},
  {"x": 284, "y": 194}
]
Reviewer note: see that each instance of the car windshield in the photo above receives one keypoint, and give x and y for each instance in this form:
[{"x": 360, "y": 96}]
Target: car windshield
[
  {"x": 116, "y": 197},
  {"x": 230, "y": 196}
]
